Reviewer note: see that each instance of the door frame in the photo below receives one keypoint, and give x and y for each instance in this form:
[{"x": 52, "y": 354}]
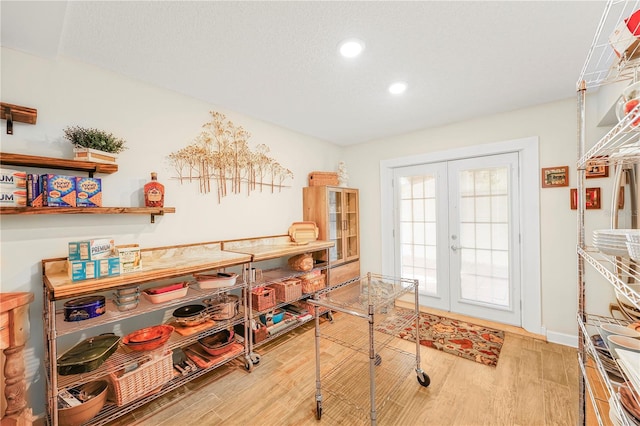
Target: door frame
[{"x": 530, "y": 290}]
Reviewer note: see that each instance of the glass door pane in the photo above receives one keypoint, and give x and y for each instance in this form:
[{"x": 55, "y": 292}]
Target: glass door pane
[
  {"x": 351, "y": 224},
  {"x": 336, "y": 221}
]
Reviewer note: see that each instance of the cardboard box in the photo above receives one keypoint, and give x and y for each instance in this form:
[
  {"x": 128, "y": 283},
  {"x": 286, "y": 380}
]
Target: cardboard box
[
  {"x": 323, "y": 178},
  {"x": 88, "y": 192},
  {"x": 58, "y": 190},
  {"x": 82, "y": 269},
  {"x": 34, "y": 190},
  {"x": 624, "y": 41},
  {"x": 10, "y": 178},
  {"x": 99, "y": 248},
  {"x": 13, "y": 197},
  {"x": 130, "y": 258},
  {"x": 108, "y": 267}
]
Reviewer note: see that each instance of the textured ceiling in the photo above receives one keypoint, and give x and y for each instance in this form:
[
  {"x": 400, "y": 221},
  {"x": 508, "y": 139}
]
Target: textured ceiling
[{"x": 278, "y": 61}]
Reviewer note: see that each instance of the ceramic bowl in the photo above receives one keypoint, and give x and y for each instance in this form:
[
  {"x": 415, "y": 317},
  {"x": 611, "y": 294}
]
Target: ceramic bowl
[
  {"x": 611, "y": 329},
  {"x": 84, "y": 412},
  {"x": 149, "y": 338},
  {"x": 616, "y": 342}
]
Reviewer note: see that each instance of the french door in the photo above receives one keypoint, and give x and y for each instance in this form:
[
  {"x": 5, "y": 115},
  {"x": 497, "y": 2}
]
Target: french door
[{"x": 457, "y": 232}]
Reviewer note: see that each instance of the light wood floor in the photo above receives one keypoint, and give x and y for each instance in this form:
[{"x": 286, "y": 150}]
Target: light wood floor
[{"x": 534, "y": 383}]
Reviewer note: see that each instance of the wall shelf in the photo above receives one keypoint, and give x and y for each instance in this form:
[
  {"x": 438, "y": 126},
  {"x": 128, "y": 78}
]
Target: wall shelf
[
  {"x": 152, "y": 211},
  {"x": 56, "y": 163}
]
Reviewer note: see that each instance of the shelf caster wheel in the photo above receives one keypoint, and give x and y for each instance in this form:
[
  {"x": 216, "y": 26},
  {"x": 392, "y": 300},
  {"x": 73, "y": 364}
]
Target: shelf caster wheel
[
  {"x": 330, "y": 316},
  {"x": 318, "y": 410},
  {"x": 255, "y": 359},
  {"x": 378, "y": 360},
  {"x": 248, "y": 366},
  {"x": 423, "y": 379}
]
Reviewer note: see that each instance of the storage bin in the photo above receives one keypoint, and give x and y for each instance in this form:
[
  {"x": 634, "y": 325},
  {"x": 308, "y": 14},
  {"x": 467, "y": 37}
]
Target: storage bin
[
  {"x": 313, "y": 283},
  {"x": 323, "y": 178},
  {"x": 288, "y": 290},
  {"x": 148, "y": 378},
  {"x": 263, "y": 298}
]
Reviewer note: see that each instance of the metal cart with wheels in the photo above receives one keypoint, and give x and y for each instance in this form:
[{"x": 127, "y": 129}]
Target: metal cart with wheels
[{"x": 364, "y": 349}]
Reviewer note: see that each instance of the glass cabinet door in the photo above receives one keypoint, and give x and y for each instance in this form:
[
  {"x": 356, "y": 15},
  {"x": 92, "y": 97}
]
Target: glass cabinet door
[
  {"x": 351, "y": 224},
  {"x": 336, "y": 225}
]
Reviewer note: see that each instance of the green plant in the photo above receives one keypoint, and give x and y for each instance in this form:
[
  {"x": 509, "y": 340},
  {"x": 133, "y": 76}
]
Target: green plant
[{"x": 94, "y": 138}]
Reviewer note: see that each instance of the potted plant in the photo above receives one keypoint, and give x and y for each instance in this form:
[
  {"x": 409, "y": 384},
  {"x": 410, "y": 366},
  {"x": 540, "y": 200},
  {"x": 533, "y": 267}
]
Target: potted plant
[{"x": 94, "y": 145}]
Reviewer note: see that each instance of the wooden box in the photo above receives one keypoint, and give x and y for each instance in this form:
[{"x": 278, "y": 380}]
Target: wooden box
[{"x": 323, "y": 179}]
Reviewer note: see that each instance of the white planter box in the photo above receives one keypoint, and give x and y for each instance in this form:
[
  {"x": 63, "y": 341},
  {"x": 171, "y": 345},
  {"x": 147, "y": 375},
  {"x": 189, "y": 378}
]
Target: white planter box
[{"x": 90, "y": 154}]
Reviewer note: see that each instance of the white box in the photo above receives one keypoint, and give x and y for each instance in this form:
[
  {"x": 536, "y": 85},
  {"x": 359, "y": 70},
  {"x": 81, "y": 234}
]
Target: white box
[
  {"x": 130, "y": 258},
  {"x": 99, "y": 248},
  {"x": 10, "y": 178}
]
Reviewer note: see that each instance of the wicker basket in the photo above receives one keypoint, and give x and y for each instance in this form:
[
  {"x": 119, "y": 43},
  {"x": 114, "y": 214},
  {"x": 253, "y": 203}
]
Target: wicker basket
[
  {"x": 144, "y": 380},
  {"x": 323, "y": 178},
  {"x": 288, "y": 290},
  {"x": 311, "y": 284},
  {"x": 263, "y": 299}
]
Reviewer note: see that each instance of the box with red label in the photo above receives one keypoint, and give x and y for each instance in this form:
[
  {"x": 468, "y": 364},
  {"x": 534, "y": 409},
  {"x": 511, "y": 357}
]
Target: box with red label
[
  {"x": 624, "y": 39},
  {"x": 88, "y": 192},
  {"x": 11, "y": 179},
  {"x": 58, "y": 190}
]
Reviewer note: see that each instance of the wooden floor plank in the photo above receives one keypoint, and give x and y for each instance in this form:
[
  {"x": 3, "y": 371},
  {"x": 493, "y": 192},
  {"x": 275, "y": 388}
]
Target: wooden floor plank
[{"x": 525, "y": 388}]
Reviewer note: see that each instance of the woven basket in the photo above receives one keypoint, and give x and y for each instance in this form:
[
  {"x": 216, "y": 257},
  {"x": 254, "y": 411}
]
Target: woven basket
[
  {"x": 323, "y": 178},
  {"x": 313, "y": 284},
  {"x": 144, "y": 380},
  {"x": 264, "y": 299},
  {"x": 288, "y": 290}
]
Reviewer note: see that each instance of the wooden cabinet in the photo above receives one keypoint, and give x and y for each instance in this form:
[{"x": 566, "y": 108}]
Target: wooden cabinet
[{"x": 336, "y": 212}]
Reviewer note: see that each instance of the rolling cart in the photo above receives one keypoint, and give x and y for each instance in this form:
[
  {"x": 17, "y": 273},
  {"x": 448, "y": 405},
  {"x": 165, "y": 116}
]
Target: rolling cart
[{"x": 373, "y": 299}]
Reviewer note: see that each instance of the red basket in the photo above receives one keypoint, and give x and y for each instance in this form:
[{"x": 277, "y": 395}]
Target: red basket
[{"x": 263, "y": 298}]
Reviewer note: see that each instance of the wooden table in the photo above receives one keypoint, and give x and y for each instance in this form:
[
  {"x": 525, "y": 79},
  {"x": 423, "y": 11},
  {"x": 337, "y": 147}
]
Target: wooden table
[{"x": 14, "y": 333}]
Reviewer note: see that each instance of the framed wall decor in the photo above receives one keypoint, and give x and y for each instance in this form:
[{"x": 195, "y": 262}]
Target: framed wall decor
[
  {"x": 597, "y": 167},
  {"x": 591, "y": 199},
  {"x": 555, "y": 176}
]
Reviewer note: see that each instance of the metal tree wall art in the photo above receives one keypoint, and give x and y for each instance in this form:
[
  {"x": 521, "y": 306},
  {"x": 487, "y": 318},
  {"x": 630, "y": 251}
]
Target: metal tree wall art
[{"x": 221, "y": 153}]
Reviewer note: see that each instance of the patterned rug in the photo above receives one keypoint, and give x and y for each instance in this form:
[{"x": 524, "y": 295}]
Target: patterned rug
[{"x": 470, "y": 341}]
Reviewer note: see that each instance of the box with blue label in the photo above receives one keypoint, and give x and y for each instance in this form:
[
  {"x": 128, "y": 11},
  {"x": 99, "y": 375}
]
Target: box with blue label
[
  {"x": 58, "y": 190},
  {"x": 82, "y": 269},
  {"x": 88, "y": 192},
  {"x": 108, "y": 267},
  {"x": 99, "y": 248}
]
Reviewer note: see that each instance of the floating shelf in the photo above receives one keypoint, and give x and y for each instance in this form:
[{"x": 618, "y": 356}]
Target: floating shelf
[
  {"x": 56, "y": 163},
  {"x": 152, "y": 211}
]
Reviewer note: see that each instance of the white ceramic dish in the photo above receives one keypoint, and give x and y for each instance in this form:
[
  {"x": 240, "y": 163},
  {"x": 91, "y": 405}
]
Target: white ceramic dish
[
  {"x": 622, "y": 342},
  {"x": 609, "y": 329},
  {"x": 219, "y": 280},
  {"x": 166, "y": 296}
]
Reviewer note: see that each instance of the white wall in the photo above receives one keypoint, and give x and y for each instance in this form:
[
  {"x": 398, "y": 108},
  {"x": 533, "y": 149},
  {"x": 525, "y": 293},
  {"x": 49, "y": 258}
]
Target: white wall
[
  {"x": 556, "y": 126},
  {"x": 154, "y": 122}
]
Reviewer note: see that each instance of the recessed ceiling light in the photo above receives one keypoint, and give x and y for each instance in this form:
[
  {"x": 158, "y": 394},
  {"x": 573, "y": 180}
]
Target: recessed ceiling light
[
  {"x": 398, "y": 87},
  {"x": 351, "y": 48}
]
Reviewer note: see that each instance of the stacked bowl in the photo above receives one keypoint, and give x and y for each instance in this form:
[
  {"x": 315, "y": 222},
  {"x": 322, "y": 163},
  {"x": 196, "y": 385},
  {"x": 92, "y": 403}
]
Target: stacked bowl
[{"x": 127, "y": 298}]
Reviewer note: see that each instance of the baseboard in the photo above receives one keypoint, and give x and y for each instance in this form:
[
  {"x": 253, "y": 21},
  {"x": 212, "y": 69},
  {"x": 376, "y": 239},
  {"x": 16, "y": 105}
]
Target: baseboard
[{"x": 562, "y": 339}]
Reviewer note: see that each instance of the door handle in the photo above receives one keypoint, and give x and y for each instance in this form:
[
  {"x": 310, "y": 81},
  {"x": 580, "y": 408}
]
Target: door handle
[{"x": 455, "y": 248}]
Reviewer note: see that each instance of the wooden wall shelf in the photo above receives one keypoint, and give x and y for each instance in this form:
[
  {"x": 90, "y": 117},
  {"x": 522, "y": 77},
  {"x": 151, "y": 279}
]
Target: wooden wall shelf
[
  {"x": 56, "y": 163},
  {"x": 152, "y": 211}
]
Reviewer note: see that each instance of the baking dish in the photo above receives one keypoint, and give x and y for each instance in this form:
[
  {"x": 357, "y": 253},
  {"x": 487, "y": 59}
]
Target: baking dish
[
  {"x": 87, "y": 355},
  {"x": 221, "y": 279},
  {"x": 217, "y": 343},
  {"x": 148, "y": 338},
  {"x": 166, "y": 293}
]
